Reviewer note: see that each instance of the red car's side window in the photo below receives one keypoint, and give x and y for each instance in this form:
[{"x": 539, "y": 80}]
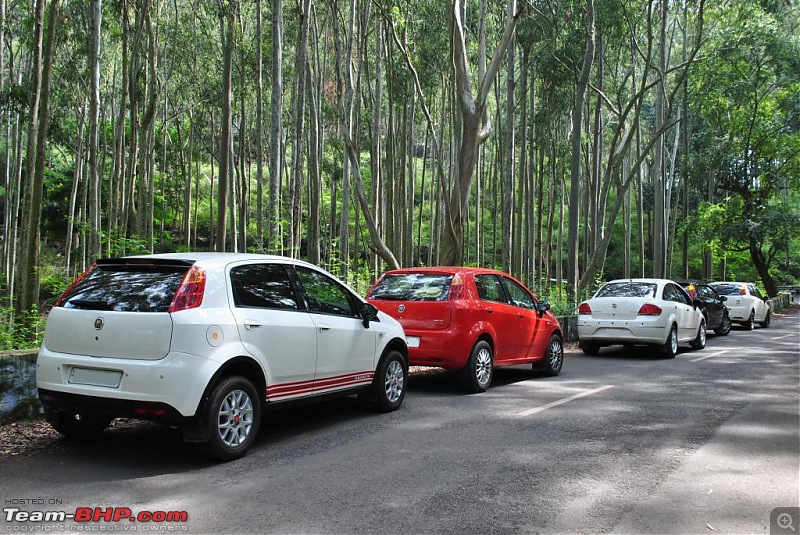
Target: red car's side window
[{"x": 490, "y": 289}]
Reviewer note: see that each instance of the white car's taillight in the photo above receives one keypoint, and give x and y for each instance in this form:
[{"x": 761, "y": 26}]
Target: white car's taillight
[
  {"x": 190, "y": 293},
  {"x": 649, "y": 309}
]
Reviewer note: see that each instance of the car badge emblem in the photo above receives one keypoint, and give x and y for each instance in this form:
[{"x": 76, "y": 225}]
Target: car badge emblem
[
  {"x": 401, "y": 308},
  {"x": 613, "y": 305},
  {"x": 98, "y": 323}
]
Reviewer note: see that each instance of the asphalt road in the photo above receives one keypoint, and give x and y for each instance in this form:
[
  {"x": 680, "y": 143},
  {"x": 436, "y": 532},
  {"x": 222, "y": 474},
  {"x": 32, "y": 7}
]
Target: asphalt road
[{"x": 621, "y": 442}]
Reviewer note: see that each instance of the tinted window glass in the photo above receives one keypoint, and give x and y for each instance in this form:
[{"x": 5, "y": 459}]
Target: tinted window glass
[
  {"x": 489, "y": 288},
  {"x": 727, "y": 289},
  {"x": 627, "y": 289},
  {"x": 412, "y": 287},
  {"x": 754, "y": 291},
  {"x": 673, "y": 293},
  {"x": 325, "y": 295},
  {"x": 263, "y": 286},
  {"x": 707, "y": 292},
  {"x": 127, "y": 288},
  {"x": 519, "y": 295}
]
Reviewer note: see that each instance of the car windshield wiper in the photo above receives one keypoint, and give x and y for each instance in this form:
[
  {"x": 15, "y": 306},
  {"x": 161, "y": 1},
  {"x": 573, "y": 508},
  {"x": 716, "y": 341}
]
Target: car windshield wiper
[{"x": 90, "y": 304}]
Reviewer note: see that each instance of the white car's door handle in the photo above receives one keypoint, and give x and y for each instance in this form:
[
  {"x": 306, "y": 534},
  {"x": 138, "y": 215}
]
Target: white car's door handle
[
  {"x": 323, "y": 327},
  {"x": 251, "y": 325}
]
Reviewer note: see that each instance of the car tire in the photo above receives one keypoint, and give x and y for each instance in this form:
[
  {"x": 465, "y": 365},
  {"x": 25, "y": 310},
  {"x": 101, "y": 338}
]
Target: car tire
[
  {"x": 589, "y": 349},
  {"x": 725, "y": 326},
  {"x": 389, "y": 384},
  {"x": 553, "y": 356},
  {"x": 700, "y": 341},
  {"x": 767, "y": 320},
  {"x": 750, "y": 324},
  {"x": 670, "y": 347},
  {"x": 477, "y": 374},
  {"x": 234, "y": 416},
  {"x": 76, "y": 426}
]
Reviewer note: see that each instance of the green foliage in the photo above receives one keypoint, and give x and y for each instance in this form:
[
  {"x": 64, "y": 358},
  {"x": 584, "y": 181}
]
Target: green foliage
[{"x": 24, "y": 332}]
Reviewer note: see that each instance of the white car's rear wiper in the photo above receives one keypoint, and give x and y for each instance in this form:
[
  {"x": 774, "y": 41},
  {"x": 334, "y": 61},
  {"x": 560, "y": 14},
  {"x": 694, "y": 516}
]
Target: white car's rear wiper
[{"x": 90, "y": 304}]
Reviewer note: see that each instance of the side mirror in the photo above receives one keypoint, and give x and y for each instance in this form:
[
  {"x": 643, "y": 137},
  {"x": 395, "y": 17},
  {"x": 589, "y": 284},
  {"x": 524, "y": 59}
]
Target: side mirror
[
  {"x": 723, "y": 298},
  {"x": 543, "y": 307},
  {"x": 697, "y": 303},
  {"x": 369, "y": 312}
]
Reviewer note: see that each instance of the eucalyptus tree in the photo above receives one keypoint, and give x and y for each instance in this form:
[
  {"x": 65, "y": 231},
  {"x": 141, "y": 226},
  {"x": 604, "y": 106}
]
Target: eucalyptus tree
[
  {"x": 474, "y": 123},
  {"x": 38, "y": 148},
  {"x": 748, "y": 135}
]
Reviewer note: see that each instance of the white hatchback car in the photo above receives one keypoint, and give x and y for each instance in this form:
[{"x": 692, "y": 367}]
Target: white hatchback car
[
  {"x": 746, "y": 304},
  {"x": 655, "y": 312},
  {"x": 206, "y": 341}
]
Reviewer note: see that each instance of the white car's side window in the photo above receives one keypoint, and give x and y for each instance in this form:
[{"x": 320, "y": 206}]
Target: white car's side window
[
  {"x": 325, "y": 295},
  {"x": 262, "y": 286}
]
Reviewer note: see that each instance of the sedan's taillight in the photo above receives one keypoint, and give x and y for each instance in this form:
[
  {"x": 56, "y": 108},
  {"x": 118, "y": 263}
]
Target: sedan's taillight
[
  {"x": 649, "y": 309},
  {"x": 585, "y": 309},
  {"x": 190, "y": 293}
]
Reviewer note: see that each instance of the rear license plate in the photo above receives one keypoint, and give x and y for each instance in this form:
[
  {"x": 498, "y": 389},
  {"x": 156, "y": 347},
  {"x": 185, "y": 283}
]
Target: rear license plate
[
  {"x": 413, "y": 341},
  {"x": 95, "y": 377}
]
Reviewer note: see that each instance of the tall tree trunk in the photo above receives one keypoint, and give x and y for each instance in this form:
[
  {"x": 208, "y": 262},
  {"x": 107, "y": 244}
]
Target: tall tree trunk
[
  {"x": 314, "y": 157},
  {"x": 95, "y": 223},
  {"x": 276, "y": 130},
  {"x": 509, "y": 164},
  {"x": 298, "y": 133},
  {"x": 30, "y": 283},
  {"x": 575, "y": 172},
  {"x": 659, "y": 223},
  {"x": 259, "y": 129},
  {"x": 226, "y": 23},
  {"x": 475, "y": 126}
]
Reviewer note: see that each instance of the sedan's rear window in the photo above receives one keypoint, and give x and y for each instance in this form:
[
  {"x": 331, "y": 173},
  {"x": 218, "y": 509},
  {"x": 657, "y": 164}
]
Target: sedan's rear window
[
  {"x": 412, "y": 287},
  {"x": 627, "y": 289},
  {"x": 728, "y": 289},
  {"x": 126, "y": 288}
]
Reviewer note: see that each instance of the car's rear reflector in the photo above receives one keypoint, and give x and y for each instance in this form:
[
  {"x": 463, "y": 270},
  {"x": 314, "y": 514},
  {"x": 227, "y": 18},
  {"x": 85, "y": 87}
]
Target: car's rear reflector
[
  {"x": 190, "y": 293},
  {"x": 649, "y": 309}
]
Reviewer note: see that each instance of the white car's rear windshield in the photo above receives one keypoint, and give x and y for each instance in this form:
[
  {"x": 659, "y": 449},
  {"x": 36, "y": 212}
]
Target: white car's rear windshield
[
  {"x": 627, "y": 289},
  {"x": 126, "y": 288},
  {"x": 412, "y": 287},
  {"x": 728, "y": 289}
]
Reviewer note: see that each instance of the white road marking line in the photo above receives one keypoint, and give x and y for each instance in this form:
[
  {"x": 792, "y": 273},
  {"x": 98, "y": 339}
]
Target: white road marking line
[
  {"x": 541, "y": 408},
  {"x": 718, "y": 353},
  {"x": 785, "y": 336}
]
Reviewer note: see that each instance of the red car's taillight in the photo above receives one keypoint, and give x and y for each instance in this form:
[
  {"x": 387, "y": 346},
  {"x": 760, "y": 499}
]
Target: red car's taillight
[
  {"x": 190, "y": 293},
  {"x": 456, "y": 287},
  {"x": 649, "y": 309},
  {"x": 585, "y": 309},
  {"x": 71, "y": 286}
]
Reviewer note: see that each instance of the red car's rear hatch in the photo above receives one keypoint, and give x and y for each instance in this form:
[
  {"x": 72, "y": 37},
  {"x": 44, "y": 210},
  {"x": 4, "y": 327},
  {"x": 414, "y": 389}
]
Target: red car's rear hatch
[{"x": 419, "y": 301}]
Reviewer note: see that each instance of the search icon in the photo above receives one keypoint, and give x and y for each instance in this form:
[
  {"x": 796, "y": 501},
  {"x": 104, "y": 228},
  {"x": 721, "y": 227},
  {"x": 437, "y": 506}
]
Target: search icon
[{"x": 785, "y": 521}]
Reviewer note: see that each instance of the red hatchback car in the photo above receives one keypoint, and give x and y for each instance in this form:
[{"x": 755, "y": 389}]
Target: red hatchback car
[{"x": 470, "y": 319}]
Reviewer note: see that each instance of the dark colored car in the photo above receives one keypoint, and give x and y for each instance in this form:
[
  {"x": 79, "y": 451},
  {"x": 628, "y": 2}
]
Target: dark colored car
[{"x": 712, "y": 305}]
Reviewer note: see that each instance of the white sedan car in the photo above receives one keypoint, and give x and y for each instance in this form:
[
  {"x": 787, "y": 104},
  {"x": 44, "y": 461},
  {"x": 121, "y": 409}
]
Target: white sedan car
[
  {"x": 745, "y": 303},
  {"x": 655, "y": 312},
  {"x": 207, "y": 342}
]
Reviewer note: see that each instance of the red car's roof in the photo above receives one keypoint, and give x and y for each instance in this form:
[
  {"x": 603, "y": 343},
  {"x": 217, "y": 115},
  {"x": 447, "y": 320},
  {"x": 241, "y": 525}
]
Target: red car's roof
[{"x": 444, "y": 269}]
